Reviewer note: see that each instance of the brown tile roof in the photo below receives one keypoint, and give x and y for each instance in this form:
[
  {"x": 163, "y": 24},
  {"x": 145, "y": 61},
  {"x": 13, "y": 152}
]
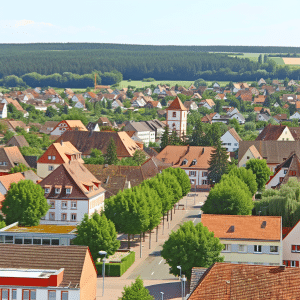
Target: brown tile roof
[
  {"x": 240, "y": 281},
  {"x": 245, "y": 227},
  {"x": 71, "y": 258},
  {"x": 17, "y": 140},
  {"x": 175, "y": 155},
  {"x": 210, "y": 102},
  {"x": 274, "y": 151},
  {"x": 7, "y": 180},
  {"x": 46, "y": 128},
  {"x": 85, "y": 141},
  {"x": 15, "y": 103},
  {"x": 246, "y": 97},
  {"x": 259, "y": 99},
  {"x": 72, "y": 174},
  {"x": 14, "y": 155},
  {"x": 281, "y": 117},
  {"x": 257, "y": 109},
  {"x": 176, "y": 105},
  {"x": 208, "y": 118},
  {"x": 14, "y": 124},
  {"x": 271, "y": 133}
]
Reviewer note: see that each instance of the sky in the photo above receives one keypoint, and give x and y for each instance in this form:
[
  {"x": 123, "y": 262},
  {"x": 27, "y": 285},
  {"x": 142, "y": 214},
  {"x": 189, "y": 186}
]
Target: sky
[{"x": 154, "y": 22}]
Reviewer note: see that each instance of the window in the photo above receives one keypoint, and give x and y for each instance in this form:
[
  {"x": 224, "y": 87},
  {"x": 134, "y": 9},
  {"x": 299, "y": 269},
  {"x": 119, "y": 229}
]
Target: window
[
  {"x": 242, "y": 248},
  {"x": 64, "y": 296},
  {"x": 174, "y": 114},
  {"x": 229, "y": 144},
  {"x": 55, "y": 242},
  {"x": 227, "y": 248},
  {"x": 236, "y": 144},
  {"x": 257, "y": 248},
  {"x": 51, "y": 295},
  {"x": 73, "y": 205},
  {"x": 64, "y": 204},
  {"x": 53, "y": 157},
  {"x": 28, "y": 241},
  {"x": 25, "y": 295},
  {"x": 47, "y": 191},
  {"x": 19, "y": 241},
  {"x": 285, "y": 171},
  {"x": 49, "y": 157},
  {"x": 68, "y": 191},
  {"x": 4, "y": 294},
  {"x": 274, "y": 249},
  {"x": 46, "y": 242},
  {"x": 204, "y": 174},
  {"x": 204, "y": 182},
  {"x": 33, "y": 295},
  {"x": 193, "y": 162},
  {"x": 63, "y": 217},
  {"x": 293, "y": 263},
  {"x": 192, "y": 181},
  {"x": 192, "y": 173},
  {"x": 184, "y": 162},
  {"x": 248, "y": 157},
  {"x": 73, "y": 217},
  {"x": 50, "y": 168},
  {"x": 14, "y": 295},
  {"x": 52, "y": 204},
  {"x": 51, "y": 216},
  {"x": 9, "y": 239},
  {"x": 37, "y": 241},
  {"x": 4, "y": 163},
  {"x": 57, "y": 191},
  {"x": 295, "y": 248}
]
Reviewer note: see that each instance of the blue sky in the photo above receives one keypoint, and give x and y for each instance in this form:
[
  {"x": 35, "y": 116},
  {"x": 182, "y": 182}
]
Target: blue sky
[{"x": 164, "y": 22}]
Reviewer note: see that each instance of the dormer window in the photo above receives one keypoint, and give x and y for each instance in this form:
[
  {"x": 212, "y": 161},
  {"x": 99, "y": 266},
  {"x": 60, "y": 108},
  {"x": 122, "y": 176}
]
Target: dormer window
[
  {"x": 57, "y": 191},
  {"x": 47, "y": 190},
  {"x": 193, "y": 162},
  {"x": 184, "y": 162},
  {"x": 68, "y": 190}
]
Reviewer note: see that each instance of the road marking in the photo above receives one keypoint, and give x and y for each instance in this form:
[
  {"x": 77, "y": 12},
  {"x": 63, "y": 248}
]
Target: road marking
[
  {"x": 160, "y": 261},
  {"x": 152, "y": 273},
  {"x": 194, "y": 220}
]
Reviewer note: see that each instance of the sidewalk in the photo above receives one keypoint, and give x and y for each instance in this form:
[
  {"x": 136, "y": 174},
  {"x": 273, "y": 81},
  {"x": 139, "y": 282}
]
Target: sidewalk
[{"x": 114, "y": 285}]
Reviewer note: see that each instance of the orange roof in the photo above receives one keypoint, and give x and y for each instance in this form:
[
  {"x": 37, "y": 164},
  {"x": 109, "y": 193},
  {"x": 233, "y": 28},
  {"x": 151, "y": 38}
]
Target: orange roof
[
  {"x": 297, "y": 104},
  {"x": 258, "y": 108},
  {"x": 7, "y": 180},
  {"x": 210, "y": 102},
  {"x": 243, "y": 281},
  {"x": 176, "y": 105},
  {"x": 243, "y": 227},
  {"x": 177, "y": 154},
  {"x": 255, "y": 152},
  {"x": 76, "y": 124}
]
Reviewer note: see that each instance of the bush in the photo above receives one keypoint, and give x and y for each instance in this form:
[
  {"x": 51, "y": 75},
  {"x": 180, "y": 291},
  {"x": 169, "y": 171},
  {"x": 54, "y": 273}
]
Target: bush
[{"x": 117, "y": 269}]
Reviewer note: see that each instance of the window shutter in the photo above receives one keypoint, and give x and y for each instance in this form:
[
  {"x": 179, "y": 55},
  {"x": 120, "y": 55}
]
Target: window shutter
[
  {"x": 298, "y": 248},
  {"x": 293, "y": 247},
  {"x": 288, "y": 263},
  {"x": 297, "y": 263},
  {"x": 284, "y": 262}
]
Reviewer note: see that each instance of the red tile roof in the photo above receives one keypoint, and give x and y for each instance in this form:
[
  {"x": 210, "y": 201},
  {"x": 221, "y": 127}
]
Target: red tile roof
[
  {"x": 271, "y": 133},
  {"x": 176, "y": 105}
]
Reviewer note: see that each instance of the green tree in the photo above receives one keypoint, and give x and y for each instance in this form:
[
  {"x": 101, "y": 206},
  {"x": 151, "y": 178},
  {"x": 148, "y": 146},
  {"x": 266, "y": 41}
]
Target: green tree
[
  {"x": 261, "y": 170},
  {"x": 182, "y": 178},
  {"x": 111, "y": 153},
  {"x": 136, "y": 291},
  {"x": 98, "y": 233},
  {"x": 96, "y": 158},
  {"x": 218, "y": 163},
  {"x": 50, "y": 112},
  {"x": 165, "y": 138},
  {"x": 191, "y": 246},
  {"x": 19, "y": 168},
  {"x": 197, "y": 135},
  {"x": 25, "y": 203},
  {"x": 139, "y": 157},
  {"x": 247, "y": 176},
  {"x": 260, "y": 59},
  {"x": 230, "y": 196}
]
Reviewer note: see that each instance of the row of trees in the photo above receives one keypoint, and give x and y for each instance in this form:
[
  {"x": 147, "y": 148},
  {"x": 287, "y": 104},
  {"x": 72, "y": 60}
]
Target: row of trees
[{"x": 139, "y": 209}]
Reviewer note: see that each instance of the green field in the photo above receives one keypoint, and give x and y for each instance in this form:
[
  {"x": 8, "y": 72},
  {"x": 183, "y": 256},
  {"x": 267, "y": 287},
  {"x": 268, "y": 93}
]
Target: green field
[
  {"x": 278, "y": 60},
  {"x": 254, "y": 57}
]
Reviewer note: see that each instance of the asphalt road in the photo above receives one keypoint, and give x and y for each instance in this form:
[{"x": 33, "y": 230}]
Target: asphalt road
[{"x": 155, "y": 267}]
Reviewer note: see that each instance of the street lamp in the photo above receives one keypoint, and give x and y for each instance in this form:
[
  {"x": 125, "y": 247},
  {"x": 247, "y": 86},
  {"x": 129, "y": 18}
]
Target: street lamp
[
  {"x": 103, "y": 268},
  {"x": 179, "y": 267},
  {"x": 183, "y": 283},
  {"x": 162, "y": 295}
]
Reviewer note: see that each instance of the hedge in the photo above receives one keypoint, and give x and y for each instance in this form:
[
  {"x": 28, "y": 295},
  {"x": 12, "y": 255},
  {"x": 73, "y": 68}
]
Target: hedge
[{"x": 117, "y": 269}]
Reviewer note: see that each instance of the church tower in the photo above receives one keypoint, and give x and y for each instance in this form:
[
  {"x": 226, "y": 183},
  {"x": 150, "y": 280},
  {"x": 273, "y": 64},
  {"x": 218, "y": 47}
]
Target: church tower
[{"x": 177, "y": 117}]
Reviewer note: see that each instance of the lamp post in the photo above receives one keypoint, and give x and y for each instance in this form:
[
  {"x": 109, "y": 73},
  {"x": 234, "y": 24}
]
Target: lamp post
[
  {"x": 162, "y": 295},
  {"x": 183, "y": 283},
  {"x": 179, "y": 267},
  {"x": 103, "y": 268}
]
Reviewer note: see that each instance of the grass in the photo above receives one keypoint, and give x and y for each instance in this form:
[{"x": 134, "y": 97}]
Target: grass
[{"x": 279, "y": 61}]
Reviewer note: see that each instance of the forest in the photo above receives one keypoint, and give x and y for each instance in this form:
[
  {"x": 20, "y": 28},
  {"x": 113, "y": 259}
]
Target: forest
[{"x": 73, "y": 65}]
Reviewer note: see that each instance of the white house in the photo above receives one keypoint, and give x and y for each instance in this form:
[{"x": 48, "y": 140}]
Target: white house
[
  {"x": 117, "y": 103},
  {"x": 3, "y": 110},
  {"x": 296, "y": 116},
  {"x": 291, "y": 247},
  {"x": 238, "y": 117},
  {"x": 230, "y": 140},
  {"x": 142, "y": 131},
  {"x": 208, "y": 103}
]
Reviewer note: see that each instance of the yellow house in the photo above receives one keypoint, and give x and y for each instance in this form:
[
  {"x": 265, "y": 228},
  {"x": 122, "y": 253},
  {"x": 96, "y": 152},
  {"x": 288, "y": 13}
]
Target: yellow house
[{"x": 248, "y": 239}]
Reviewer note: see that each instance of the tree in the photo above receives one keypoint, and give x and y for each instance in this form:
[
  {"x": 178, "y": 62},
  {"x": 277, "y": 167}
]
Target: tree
[
  {"x": 165, "y": 138},
  {"x": 25, "y": 203},
  {"x": 182, "y": 178},
  {"x": 246, "y": 176},
  {"x": 197, "y": 135},
  {"x": 139, "y": 157},
  {"x": 174, "y": 139},
  {"x": 218, "y": 163},
  {"x": 261, "y": 170},
  {"x": 19, "y": 168},
  {"x": 191, "y": 246},
  {"x": 111, "y": 153},
  {"x": 98, "y": 233},
  {"x": 230, "y": 196},
  {"x": 50, "y": 112},
  {"x": 136, "y": 291},
  {"x": 96, "y": 158},
  {"x": 260, "y": 59}
]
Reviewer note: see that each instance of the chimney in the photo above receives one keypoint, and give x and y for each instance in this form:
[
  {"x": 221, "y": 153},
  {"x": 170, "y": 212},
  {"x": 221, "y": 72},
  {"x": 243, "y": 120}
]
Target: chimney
[
  {"x": 62, "y": 142},
  {"x": 282, "y": 267}
]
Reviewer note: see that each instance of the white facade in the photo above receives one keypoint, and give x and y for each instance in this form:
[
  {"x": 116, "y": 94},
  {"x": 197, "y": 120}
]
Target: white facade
[
  {"x": 79, "y": 105},
  {"x": 291, "y": 247},
  {"x": 71, "y": 212},
  {"x": 278, "y": 177},
  {"x": 60, "y": 129},
  {"x": 3, "y": 113},
  {"x": 238, "y": 117},
  {"x": 296, "y": 116},
  {"x": 146, "y": 136},
  {"x": 197, "y": 177},
  {"x": 176, "y": 120},
  {"x": 229, "y": 142},
  {"x": 206, "y": 105}
]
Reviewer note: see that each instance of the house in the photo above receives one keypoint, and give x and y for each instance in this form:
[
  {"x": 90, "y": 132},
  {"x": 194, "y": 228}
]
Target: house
[
  {"x": 291, "y": 247},
  {"x": 142, "y": 131},
  {"x": 208, "y": 118},
  {"x": 177, "y": 117},
  {"x": 71, "y": 191},
  {"x": 55, "y": 155},
  {"x": 26, "y": 273},
  {"x": 275, "y": 133},
  {"x": 247, "y": 96},
  {"x": 16, "y": 104},
  {"x": 68, "y": 125},
  {"x": 7, "y": 180},
  {"x": 230, "y": 140},
  {"x": 264, "y": 117},
  {"x": 239, "y": 281},
  {"x": 12, "y": 125},
  {"x": 79, "y": 100},
  {"x": 85, "y": 141},
  {"x": 138, "y": 102},
  {"x": 46, "y": 235},
  {"x": 281, "y": 117},
  {"x": 104, "y": 121},
  {"x": 276, "y": 104},
  {"x": 289, "y": 98},
  {"x": 192, "y": 159},
  {"x": 238, "y": 116},
  {"x": 208, "y": 103},
  {"x": 159, "y": 90},
  {"x": 260, "y": 99},
  {"x": 247, "y": 239},
  {"x": 117, "y": 103},
  {"x": 290, "y": 168},
  {"x": 48, "y": 126},
  {"x": 296, "y": 115},
  {"x": 3, "y": 111},
  {"x": 17, "y": 140},
  {"x": 89, "y": 95},
  {"x": 274, "y": 152},
  {"x": 9, "y": 158},
  {"x": 190, "y": 105},
  {"x": 261, "y": 82},
  {"x": 153, "y": 104},
  {"x": 221, "y": 97},
  {"x": 157, "y": 126}
]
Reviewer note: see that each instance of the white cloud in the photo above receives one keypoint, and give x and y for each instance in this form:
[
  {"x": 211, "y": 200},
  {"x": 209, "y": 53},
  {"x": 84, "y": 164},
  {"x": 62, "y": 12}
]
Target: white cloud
[{"x": 23, "y": 23}]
